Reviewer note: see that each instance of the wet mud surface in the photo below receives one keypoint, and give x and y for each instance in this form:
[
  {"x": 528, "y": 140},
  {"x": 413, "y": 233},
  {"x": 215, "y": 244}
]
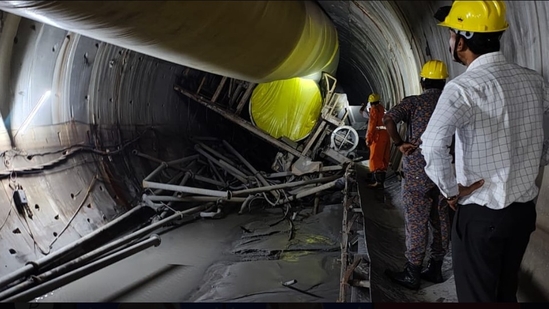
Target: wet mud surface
[
  {"x": 246, "y": 258},
  {"x": 243, "y": 258}
]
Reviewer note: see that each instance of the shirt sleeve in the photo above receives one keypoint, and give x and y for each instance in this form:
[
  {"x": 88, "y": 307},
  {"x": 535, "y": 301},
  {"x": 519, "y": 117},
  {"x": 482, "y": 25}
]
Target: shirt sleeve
[
  {"x": 372, "y": 123},
  {"x": 545, "y": 151},
  {"x": 452, "y": 112},
  {"x": 402, "y": 111}
]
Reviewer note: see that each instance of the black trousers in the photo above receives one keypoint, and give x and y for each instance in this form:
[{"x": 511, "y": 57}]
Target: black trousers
[{"x": 487, "y": 250}]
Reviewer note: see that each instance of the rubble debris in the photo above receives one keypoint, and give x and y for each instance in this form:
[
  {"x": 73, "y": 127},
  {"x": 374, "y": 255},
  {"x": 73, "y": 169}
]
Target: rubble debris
[{"x": 216, "y": 172}]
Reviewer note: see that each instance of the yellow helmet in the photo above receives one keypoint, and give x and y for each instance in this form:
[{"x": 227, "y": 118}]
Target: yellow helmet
[
  {"x": 434, "y": 69},
  {"x": 476, "y": 16},
  {"x": 374, "y": 97}
]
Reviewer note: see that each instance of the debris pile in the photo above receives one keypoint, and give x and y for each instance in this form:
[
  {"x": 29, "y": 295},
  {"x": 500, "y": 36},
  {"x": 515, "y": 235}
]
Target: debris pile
[{"x": 218, "y": 175}]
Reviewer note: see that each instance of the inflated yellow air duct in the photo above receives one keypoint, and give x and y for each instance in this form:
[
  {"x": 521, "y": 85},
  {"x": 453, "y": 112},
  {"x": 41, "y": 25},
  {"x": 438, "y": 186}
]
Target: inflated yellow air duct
[
  {"x": 288, "y": 108},
  {"x": 255, "y": 41}
]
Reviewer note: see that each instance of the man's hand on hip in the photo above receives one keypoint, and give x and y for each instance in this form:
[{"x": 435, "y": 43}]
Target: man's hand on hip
[{"x": 464, "y": 191}]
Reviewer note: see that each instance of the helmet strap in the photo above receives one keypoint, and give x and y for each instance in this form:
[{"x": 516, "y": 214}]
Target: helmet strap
[
  {"x": 455, "y": 55},
  {"x": 466, "y": 34}
]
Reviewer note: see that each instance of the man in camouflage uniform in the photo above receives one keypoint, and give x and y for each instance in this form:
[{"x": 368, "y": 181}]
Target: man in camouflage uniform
[{"x": 423, "y": 202}]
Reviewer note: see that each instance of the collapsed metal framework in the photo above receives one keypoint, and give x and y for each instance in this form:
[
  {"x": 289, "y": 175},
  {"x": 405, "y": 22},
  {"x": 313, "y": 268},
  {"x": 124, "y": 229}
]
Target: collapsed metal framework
[
  {"x": 355, "y": 261},
  {"x": 220, "y": 176},
  {"x": 309, "y": 149}
]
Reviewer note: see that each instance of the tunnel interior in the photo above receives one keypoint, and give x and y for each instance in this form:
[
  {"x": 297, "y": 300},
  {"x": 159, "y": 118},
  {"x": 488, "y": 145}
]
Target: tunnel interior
[{"x": 75, "y": 109}]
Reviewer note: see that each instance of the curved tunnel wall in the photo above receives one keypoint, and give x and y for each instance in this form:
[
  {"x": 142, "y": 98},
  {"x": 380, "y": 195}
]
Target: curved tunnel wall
[
  {"x": 363, "y": 68},
  {"x": 406, "y": 25}
]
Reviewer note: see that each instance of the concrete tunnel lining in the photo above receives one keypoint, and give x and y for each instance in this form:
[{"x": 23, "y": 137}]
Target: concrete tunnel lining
[{"x": 383, "y": 44}]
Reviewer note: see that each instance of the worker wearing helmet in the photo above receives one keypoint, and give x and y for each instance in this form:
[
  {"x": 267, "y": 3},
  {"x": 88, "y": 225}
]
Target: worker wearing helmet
[
  {"x": 495, "y": 109},
  {"x": 423, "y": 203},
  {"x": 378, "y": 141}
]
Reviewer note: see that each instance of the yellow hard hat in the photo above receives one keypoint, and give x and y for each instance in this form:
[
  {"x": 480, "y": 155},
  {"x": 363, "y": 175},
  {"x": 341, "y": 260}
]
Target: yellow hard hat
[
  {"x": 374, "y": 97},
  {"x": 434, "y": 69},
  {"x": 476, "y": 16}
]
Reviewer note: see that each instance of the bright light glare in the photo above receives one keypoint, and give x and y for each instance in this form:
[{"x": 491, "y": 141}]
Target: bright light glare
[{"x": 43, "y": 99}]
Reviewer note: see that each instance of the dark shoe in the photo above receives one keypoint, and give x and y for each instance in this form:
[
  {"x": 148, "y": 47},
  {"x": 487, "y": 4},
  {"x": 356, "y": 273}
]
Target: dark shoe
[
  {"x": 409, "y": 277},
  {"x": 380, "y": 177},
  {"x": 433, "y": 272},
  {"x": 376, "y": 185}
]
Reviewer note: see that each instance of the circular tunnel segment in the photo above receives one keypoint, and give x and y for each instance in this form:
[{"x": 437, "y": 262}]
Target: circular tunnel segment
[
  {"x": 78, "y": 111},
  {"x": 78, "y": 108},
  {"x": 379, "y": 52}
]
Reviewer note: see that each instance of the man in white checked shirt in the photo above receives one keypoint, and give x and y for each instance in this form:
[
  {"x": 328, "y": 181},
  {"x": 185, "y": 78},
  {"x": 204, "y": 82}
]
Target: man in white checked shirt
[{"x": 496, "y": 110}]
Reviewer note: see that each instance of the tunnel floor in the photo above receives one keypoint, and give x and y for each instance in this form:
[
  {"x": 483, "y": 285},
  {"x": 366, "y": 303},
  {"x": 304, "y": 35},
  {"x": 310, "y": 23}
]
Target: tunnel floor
[
  {"x": 246, "y": 258},
  {"x": 243, "y": 258},
  {"x": 384, "y": 223}
]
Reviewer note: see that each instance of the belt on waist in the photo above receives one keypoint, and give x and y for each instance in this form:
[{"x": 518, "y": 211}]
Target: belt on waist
[{"x": 381, "y": 128}]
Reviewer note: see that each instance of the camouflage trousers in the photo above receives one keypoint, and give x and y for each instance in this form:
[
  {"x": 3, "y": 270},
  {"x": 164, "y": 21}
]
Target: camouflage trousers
[{"x": 424, "y": 206}]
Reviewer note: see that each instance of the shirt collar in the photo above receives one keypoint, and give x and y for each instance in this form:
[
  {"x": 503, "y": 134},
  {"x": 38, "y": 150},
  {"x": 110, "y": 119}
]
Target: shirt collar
[
  {"x": 494, "y": 57},
  {"x": 432, "y": 90}
]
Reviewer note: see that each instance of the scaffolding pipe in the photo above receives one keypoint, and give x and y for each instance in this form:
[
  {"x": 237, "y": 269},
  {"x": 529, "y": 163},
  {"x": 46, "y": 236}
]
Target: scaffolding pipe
[
  {"x": 50, "y": 285},
  {"x": 322, "y": 169},
  {"x": 237, "y": 174},
  {"x": 283, "y": 186},
  {"x": 209, "y": 180},
  {"x": 211, "y": 214},
  {"x": 215, "y": 172},
  {"x": 235, "y": 170},
  {"x": 247, "y": 202},
  {"x": 183, "y": 182},
  {"x": 127, "y": 239},
  {"x": 185, "y": 189},
  {"x": 308, "y": 192},
  {"x": 182, "y": 160},
  {"x": 33, "y": 266},
  {"x": 172, "y": 163},
  {"x": 146, "y": 156},
  {"x": 65, "y": 268},
  {"x": 252, "y": 169},
  {"x": 216, "y": 153},
  {"x": 197, "y": 177},
  {"x": 156, "y": 171},
  {"x": 167, "y": 198},
  {"x": 239, "y": 121},
  {"x": 174, "y": 179}
]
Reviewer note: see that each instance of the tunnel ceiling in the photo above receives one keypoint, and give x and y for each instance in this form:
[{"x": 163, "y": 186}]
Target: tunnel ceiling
[
  {"x": 107, "y": 97},
  {"x": 378, "y": 53}
]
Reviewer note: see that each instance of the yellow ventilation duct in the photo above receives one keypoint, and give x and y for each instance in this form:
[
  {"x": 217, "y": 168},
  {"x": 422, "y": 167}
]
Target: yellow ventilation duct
[
  {"x": 255, "y": 41},
  {"x": 287, "y": 108}
]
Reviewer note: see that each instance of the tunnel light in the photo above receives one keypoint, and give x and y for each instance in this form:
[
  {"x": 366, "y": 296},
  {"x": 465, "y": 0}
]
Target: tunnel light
[{"x": 43, "y": 99}]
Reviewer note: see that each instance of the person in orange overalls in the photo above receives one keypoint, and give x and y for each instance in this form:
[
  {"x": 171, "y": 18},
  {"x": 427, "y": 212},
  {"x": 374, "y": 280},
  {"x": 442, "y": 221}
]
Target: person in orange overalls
[{"x": 378, "y": 140}]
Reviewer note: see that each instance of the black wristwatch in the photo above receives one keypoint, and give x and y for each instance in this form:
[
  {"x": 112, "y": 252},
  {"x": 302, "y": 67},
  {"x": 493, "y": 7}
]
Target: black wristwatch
[
  {"x": 399, "y": 144},
  {"x": 451, "y": 198}
]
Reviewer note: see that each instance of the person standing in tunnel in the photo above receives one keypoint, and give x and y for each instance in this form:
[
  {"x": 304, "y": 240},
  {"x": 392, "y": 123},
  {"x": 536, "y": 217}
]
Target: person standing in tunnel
[
  {"x": 378, "y": 141},
  {"x": 496, "y": 109},
  {"x": 423, "y": 203}
]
